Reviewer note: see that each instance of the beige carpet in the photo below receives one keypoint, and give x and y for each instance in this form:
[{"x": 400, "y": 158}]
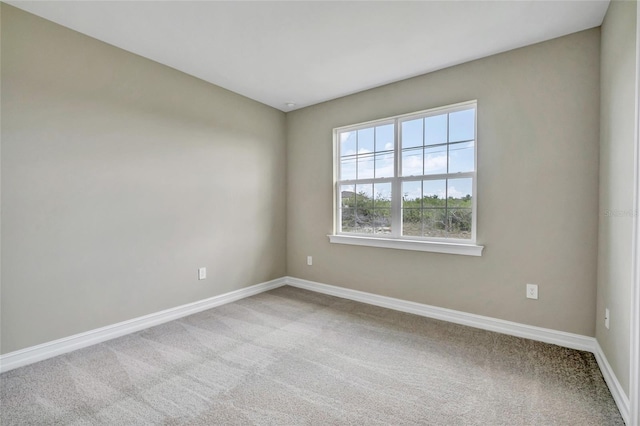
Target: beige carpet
[{"x": 293, "y": 357}]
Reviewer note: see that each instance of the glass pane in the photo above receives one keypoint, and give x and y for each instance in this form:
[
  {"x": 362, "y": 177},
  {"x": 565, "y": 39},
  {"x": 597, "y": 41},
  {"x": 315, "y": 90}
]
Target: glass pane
[
  {"x": 435, "y": 129},
  {"x": 459, "y": 192},
  {"x": 459, "y": 223},
  {"x": 364, "y": 195},
  {"x": 347, "y": 196},
  {"x": 412, "y": 162},
  {"x": 347, "y": 206},
  {"x": 365, "y": 141},
  {"x": 412, "y": 133},
  {"x": 435, "y": 160},
  {"x": 348, "y": 168},
  {"x": 365, "y": 166},
  {"x": 461, "y": 157},
  {"x": 347, "y": 143},
  {"x": 462, "y": 125},
  {"x": 382, "y": 221},
  {"x": 364, "y": 208},
  {"x": 412, "y": 222},
  {"x": 412, "y": 194},
  {"x": 434, "y": 223},
  {"x": 384, "y": 165},
  {"x": 363, "y": 220},
  {"x": 434, "y": 193},
  {"x": 348, "y": 220},
  {"x": 384, "y": 138},
  {"x": 382, "y": 195}
]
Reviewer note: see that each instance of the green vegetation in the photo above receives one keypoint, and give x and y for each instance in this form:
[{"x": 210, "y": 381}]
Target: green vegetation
[
  {"x": 362, "y": 213},
  {"x": 429, "y": 216}
]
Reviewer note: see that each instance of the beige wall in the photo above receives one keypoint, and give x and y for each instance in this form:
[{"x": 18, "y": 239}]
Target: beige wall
[
  {"x": 538, "y": 126},
  {"x": 120, "y": 177},
  {"x": 618, "y": 76}
]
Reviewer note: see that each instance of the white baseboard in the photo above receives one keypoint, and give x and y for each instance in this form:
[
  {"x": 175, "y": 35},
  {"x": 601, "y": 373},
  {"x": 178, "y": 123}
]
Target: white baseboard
[
  {"x": 47, "y": 350},
  {"x": 619, "y": 396},
  {"x": 560, "y": 338}
]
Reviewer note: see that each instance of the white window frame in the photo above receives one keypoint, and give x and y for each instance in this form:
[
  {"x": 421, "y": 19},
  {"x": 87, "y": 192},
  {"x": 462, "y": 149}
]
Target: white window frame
[{"x": 395, "y": 240}]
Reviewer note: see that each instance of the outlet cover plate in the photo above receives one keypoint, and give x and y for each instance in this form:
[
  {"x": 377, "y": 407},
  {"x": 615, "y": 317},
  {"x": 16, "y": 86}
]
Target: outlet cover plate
[{"x": 532, "y": 291}]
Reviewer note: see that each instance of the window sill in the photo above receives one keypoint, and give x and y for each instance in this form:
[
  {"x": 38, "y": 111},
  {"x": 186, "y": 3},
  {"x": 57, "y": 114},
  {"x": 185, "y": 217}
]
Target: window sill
[{"x": 432, "y": 246}]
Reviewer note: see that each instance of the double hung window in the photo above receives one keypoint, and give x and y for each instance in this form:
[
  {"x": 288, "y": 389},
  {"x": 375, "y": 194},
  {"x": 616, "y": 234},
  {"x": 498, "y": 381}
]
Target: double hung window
[{"x": 410, "y": 178}]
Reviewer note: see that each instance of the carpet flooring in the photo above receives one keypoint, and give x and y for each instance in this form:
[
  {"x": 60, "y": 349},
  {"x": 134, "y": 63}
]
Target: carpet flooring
[{"x": 294, "y": 357}]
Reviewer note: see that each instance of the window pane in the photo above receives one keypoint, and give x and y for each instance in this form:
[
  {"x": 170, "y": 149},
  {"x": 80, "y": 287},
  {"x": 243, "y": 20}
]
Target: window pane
[
  {"x": 384, "y": 138},
  {"x": 364, "y": 193},
  {"x": 382, "y": 221},
  {"x": 347, "y": 143},
  {"x": 382, "y": 195},
  {"x": 435, "y": 160},
  {"x": 365, "y": 166},
  {"x": 459, "y": 192},
  {"x": 411, "y": 194},
  {"x": 363, "y": 220},
  {"x": 435, "y": 130},
  {"x": 347, "y": 196},
  {"x": 364, "y": 208},
  {"x": 412, "y": 222},
  {"x": 434, "y": 193},
  {"x": 348, "y": 220},
  {"x": 347, "y": 206},
  {"x": 382, "y": 205},
  {"x": 412, "y": 162},
  {"x": 434, "y": 221},
  {"x": 365, "y": 141},
  {"x": 384, "y": 165},
  {"x": 459, "y": 223},
  {"x": 412, "y": 208},
  {"x": 462, "y": 125},
  {"x": 348, "y": 168},
  {"x": 461, "y": 157},
  {"x": 412, "y": 133}
]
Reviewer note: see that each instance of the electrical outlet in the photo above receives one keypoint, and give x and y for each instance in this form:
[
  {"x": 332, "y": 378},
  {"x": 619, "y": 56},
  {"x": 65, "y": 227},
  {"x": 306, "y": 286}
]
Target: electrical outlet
[
  {"x": 606, "y": 318},
  {"x": 202, "y": 273},
  {"x": 532, "y": 291},
  {"x": 309, "y": 260}
]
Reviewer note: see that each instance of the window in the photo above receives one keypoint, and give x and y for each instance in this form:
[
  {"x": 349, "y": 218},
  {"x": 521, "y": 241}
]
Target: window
[{"x": 409, "y": 181}]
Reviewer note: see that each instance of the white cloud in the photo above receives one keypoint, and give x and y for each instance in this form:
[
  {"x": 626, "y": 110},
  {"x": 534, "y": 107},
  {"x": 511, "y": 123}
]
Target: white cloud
[
  {"x": 384, "y": 167},
  {"x": 435, "y": 163},
  {"x": 453, "y": 192},
  {"x": 412, "y": 165},
  {"x": 345, "y": 136}
]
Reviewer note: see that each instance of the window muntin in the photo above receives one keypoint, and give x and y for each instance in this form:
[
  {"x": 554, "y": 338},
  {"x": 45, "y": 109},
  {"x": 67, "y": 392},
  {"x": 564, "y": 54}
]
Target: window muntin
[{"x": 409, "y": 177}]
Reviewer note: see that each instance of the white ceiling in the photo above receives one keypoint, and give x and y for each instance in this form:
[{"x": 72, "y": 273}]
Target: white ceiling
[{"x": 310, "y": 52}]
